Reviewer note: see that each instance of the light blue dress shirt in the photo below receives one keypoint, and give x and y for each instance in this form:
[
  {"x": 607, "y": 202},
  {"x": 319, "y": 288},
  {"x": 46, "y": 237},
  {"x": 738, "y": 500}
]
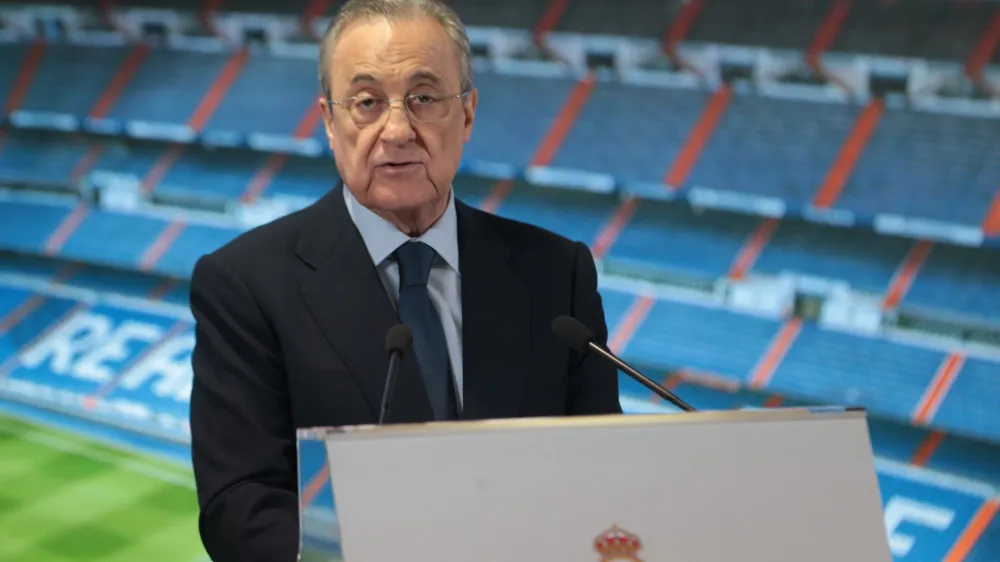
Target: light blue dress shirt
[{"x": 382, "y": 238}]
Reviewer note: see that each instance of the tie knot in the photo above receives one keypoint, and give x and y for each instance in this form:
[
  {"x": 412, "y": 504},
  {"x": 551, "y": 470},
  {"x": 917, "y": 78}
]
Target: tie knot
[{"x": 415, "y": 261}]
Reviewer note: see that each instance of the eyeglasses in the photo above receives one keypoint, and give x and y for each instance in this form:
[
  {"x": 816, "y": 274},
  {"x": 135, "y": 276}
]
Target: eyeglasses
[{"x": 425, "y": 108}]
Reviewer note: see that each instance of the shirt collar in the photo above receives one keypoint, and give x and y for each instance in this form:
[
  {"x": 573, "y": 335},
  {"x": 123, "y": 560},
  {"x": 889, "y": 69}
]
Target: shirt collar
[{"x": 382, "y": 238}]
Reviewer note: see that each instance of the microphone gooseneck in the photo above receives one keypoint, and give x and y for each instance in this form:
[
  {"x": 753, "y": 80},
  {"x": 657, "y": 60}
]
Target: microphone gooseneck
[
  {"x": 397, "y": 341},
  {"x": 578, "y": 337}
]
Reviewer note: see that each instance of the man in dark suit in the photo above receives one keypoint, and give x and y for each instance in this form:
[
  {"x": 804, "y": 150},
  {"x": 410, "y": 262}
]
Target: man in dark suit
[{"x": 292, "y": 316}]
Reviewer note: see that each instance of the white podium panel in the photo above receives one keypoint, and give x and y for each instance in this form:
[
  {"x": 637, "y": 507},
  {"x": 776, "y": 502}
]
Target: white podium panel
[{"x": 775, "y": 485}]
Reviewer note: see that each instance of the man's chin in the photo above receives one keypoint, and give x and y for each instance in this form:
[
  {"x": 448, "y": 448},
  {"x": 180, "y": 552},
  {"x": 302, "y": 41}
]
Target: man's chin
[{"x": 402, "y": 196}]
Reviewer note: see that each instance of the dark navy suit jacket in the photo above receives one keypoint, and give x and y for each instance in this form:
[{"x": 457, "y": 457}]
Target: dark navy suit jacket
[{"x": 291, "y": 320}]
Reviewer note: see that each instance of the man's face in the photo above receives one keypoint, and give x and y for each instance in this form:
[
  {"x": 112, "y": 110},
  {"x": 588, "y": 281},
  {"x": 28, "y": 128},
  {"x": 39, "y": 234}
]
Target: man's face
[{"x": 396, "y": 163}]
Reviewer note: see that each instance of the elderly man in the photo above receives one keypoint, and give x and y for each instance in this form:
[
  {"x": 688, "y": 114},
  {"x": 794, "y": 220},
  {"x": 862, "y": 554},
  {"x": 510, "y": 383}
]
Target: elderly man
[{"x": 292, "y": 316}]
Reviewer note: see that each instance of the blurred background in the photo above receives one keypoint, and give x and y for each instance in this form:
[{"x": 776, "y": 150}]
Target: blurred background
[{"x": 791, "y": 202}]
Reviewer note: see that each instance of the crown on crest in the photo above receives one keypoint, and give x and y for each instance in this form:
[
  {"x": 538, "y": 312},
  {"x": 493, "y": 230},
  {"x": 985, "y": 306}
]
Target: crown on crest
[{"x": 617, "y": 542}]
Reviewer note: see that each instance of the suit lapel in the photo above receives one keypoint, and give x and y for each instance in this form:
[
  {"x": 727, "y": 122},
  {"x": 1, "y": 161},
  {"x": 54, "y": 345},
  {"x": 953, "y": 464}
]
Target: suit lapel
[
  {"x": 495, "y": 321},
  {"x": 349, "y": 303}
]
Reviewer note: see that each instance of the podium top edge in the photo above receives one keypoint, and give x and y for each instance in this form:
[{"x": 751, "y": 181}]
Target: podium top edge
[{"x": 594, "y": 421}]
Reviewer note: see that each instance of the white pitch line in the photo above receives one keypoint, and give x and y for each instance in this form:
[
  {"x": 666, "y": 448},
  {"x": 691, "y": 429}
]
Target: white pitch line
[{"x": 131, "y": 465}]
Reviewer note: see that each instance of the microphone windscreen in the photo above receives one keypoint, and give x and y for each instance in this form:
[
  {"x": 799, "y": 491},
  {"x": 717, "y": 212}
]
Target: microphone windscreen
[
  {"x": 398, "y": 338},
  {"x": 572, "y": 332}
]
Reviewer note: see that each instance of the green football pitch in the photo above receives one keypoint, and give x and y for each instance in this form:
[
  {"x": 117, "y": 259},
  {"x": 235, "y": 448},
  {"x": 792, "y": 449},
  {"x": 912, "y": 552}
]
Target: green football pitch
[{"x": 64, "y": 498}]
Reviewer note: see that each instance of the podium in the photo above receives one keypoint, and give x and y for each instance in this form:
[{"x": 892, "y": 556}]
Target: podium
[{"x": 779, "y": 485}]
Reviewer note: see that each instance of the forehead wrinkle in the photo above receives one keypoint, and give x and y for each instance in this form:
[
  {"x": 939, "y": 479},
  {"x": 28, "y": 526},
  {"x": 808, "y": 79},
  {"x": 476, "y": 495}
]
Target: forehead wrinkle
[{"x": 380, "y": 51}]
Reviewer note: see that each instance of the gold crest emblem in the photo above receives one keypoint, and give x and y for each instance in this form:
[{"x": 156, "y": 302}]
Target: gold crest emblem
[{"x": 618, "y": 545}]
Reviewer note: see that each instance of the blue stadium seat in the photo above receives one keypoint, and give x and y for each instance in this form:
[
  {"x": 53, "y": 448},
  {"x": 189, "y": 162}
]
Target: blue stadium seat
[
  {"x": 190, "y": 75},
  {"x": 13, "y": 56},
  {"x": 304, "y": 177},
  {"x": 774, "y": 147},
  {"x": 855, "y": 370},
  {"x": 775, "y": 23},
  {"x": 512, "y": 14},
  {"x": 914, "y": 158},
  {"x": 600, "y": 17},
  {"x": 71, "y": 78},
  {"x": 34, "y": 159},
  {"x": 578, "y": 216},
  {"x": 473, "y": 190},
  {"x": 945, "y": 31},
  {"x": 192, "y": 243},
  {"x": 708, "y": 340},
  {"x": 987, "y": 547},
  {"x": 513, "y": 115},
  {"x": 631, "y": 132},
  {"x": 131, "y": 158},
  {"x": 968, "y": 409},
  {"x": 865, "y": 260},
  {"x": 616, "y": 304},
  {"x": 671, "y": 238},
  {"x": 28, "y": 223},
  {"x": 218, "y": 175},
  {"x": 270, "y": 95},
  {"x": 972, "y": 458},
  {"x": 37, "y": 320},
  {"x": 958, "y": 279},
  {"x": 112, "y": 239}
]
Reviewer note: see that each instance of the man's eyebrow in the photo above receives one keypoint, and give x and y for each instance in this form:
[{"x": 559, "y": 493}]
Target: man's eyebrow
[
  {"x": 363, "y": 78},
  {"x": 425, "y": 76}
]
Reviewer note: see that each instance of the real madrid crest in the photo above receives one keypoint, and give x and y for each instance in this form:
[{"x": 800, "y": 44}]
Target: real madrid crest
[{"x": 618, "y": 545}]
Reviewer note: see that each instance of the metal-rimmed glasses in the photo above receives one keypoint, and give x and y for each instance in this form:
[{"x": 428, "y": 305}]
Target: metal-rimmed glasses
[{"x": 423, "y": 108}]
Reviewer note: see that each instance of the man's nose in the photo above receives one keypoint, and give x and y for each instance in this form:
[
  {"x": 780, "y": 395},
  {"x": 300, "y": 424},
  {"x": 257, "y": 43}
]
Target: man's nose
[{"x": 397, "y": 128}]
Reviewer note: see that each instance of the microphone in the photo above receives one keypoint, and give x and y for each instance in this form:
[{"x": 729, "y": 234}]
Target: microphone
[
  {"x": 397, "y": 341},
  {"x": 575, "y": 335}
]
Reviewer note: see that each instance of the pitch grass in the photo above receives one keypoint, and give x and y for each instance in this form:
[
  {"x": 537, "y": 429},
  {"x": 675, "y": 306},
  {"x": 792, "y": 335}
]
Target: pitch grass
[{"x": 68, "y": 499}]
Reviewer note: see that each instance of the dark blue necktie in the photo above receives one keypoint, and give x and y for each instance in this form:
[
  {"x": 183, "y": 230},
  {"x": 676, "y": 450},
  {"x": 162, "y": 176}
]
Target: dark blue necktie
[{"x": 416, "y": 310}]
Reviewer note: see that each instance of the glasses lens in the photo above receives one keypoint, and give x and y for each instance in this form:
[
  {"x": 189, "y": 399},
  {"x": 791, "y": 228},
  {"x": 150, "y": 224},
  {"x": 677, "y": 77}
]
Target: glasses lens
[
  {"x": 367, "y": 110},
  {"x": 425, "y": 107},
  {"x": 420, "y": 107}
]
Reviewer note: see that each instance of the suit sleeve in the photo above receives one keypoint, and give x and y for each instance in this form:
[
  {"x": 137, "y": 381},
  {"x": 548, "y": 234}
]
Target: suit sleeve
[
  {"x": 593, "y": 382},
  {"x": 242, "y": 439}
]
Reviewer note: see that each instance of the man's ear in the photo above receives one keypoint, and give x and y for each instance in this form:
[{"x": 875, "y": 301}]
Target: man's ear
[
  {"x": 469, "y": 105},
  {"x": 326, "y": 112}
]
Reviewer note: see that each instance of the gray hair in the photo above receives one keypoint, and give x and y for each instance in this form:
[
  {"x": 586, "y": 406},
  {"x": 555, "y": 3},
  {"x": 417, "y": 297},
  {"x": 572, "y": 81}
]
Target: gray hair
[{"x": 355, "y": 10}]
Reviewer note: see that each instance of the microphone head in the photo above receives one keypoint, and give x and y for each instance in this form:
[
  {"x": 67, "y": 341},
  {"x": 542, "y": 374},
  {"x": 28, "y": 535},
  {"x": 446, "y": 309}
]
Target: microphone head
[
  {"x": 572, "y": 332},
  {"x": 398, "y": 339}
]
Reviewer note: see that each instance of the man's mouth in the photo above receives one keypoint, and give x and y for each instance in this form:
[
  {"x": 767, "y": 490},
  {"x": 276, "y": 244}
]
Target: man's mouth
[{"x": 399, "y": 166}]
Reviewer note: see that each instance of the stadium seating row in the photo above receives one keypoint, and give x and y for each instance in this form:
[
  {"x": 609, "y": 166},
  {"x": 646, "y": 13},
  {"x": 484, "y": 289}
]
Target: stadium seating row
[
  {"x": 822, "y": 365},
  {"x": 780, "y": 152},
  {"x": 660, "y": 236},
  {"x": 945, "y": 30},
  {"x": 115, "y": 346}
]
